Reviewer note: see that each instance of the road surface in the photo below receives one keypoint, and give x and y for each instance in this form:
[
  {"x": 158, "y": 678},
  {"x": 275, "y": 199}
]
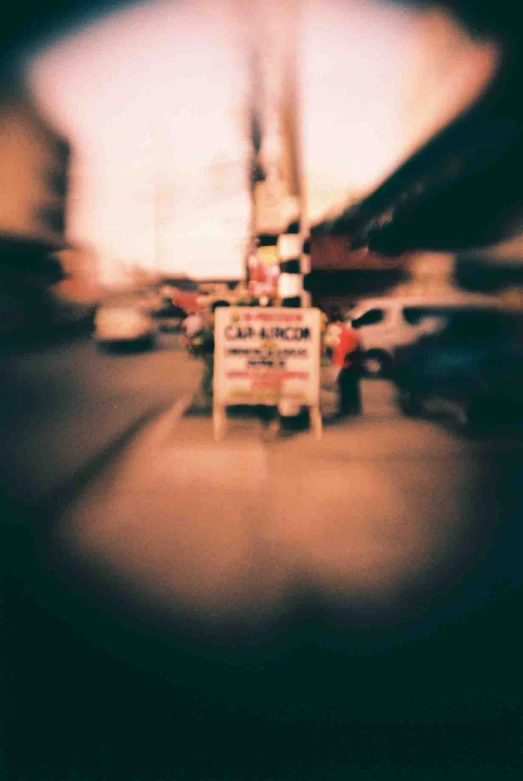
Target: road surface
[
  {"x": 291, "y": 609},
  {"x": 63, "y": 404}
]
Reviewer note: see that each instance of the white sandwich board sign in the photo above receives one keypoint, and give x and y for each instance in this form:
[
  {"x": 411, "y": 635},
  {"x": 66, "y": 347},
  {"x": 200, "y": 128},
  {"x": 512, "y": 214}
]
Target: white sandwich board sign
[{"x": 266, "y": 355}]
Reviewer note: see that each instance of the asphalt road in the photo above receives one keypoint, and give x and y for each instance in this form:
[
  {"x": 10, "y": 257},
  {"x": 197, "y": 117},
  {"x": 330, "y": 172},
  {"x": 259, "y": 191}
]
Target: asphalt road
[
  {"x": 280, "y": 610},
  {"x": 62, "y": 405}
]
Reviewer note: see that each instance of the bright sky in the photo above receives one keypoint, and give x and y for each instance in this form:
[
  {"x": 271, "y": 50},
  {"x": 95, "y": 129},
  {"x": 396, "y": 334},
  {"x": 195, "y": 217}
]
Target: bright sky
[{"x": 153, "y": 99}]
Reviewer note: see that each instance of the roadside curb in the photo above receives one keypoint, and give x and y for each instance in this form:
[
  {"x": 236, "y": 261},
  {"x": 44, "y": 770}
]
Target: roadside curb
[
  {"x": 63, "y": 495},
  {"x": 170, "y": 417},
  {"x": 196, "y": 407},
  {"x": 179, "y": 409}
]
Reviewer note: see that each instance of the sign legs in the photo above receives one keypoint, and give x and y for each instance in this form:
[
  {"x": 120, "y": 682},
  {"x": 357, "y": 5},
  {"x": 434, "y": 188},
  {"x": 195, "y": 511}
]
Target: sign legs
[
  {"x": 316, "y": 421},
  {"x": 219, "y": 421}
]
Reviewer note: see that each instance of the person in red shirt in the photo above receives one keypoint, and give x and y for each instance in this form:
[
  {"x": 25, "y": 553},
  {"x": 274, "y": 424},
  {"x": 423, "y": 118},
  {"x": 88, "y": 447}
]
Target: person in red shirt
[{"x": 346, "y": 356}]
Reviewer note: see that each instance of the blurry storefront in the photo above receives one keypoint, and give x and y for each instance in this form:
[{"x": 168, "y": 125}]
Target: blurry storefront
[
  {"x": 340, "y": 276},
  {"x": 495, "y": 276},
  {"x": 429, "y": 274},
  {"x": 80, "y": 265}
]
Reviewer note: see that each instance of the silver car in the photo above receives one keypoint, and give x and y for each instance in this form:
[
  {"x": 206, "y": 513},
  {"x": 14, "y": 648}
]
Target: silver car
[{"x": 119, "y": 324}]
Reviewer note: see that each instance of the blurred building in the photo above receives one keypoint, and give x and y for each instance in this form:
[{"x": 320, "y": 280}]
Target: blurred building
[
  {"x": 81, "y": 282},
  {"x": 34, "y": 164},
  {"x": 459, "y": 191},
  {"x": 484, "y": 274}
]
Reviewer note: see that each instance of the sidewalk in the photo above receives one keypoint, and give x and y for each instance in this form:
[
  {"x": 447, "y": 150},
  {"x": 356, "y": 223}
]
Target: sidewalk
[
  {"x": 233, "y": 526},
  {"x": 285, "y": 593},
  {"x": 269, "y": 564}
]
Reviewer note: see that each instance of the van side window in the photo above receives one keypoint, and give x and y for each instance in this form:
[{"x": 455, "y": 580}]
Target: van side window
[
  {"x": 415, "y": 315},
  {"x": 372, "y": 317},
  {"x": 428, "y": 320}
]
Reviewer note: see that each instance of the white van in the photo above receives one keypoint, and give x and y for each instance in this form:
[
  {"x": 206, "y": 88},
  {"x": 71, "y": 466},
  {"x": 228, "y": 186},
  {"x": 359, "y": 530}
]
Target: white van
[{"x": 386, "y": 323}]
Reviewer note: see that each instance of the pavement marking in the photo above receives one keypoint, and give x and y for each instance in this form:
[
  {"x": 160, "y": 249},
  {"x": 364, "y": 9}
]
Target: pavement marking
[
  {"x": 168, "y": 420},
  {"x": 178, "y": 409},
  {"x": 67, "y": 491}
]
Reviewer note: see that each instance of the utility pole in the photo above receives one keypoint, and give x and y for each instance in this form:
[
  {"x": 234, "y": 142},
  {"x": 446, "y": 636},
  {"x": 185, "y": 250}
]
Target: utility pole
[
  {"x": 161, "y": 198},
  {"x": 256, "y": 173},
  {"x": 157, "y": 216},
  {"x": 278, "y": 222},
  {"x": 293, "y": 237},
  {"x": 277, "y": 186}
]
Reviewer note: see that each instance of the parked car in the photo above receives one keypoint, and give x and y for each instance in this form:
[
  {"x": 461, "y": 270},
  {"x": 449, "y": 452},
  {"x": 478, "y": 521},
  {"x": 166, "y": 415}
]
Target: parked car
[
  {"x": 169, "y": 316},
  {"x": 387, "y": 323},
  {"x": 471, "y": 369},
  {"x": 118, "y": 324},
  {"x": 181, "y": 291}
]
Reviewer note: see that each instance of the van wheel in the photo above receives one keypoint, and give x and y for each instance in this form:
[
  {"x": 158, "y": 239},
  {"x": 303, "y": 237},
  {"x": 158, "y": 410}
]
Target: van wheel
[{"x": 375, "y": 363}]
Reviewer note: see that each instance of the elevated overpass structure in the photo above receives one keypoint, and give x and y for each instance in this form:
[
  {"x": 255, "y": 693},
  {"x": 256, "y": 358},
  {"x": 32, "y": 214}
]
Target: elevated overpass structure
[{"x": 463, "y": 189}]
